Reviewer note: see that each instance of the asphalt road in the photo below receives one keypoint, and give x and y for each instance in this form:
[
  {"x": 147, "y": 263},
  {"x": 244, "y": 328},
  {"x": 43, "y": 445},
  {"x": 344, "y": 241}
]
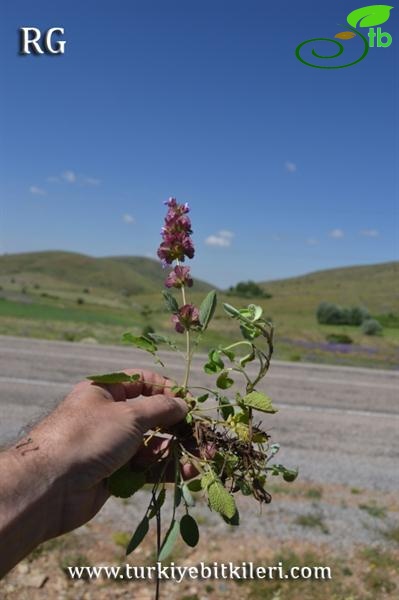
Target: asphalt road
[{"x": 339, "y": 425}]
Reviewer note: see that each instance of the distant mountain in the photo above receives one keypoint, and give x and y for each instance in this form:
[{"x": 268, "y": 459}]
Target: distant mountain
[
  {"x": 120, "y": 274},
  {"x": 375, "y": 286}
]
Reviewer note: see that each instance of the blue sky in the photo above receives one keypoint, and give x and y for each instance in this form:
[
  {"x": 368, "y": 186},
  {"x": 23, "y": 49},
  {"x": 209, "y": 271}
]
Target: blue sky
[{"x": 287, "y": 168}]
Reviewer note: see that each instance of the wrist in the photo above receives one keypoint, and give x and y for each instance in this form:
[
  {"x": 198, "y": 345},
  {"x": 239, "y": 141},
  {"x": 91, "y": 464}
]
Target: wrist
[{"x": 31, "y": 506}]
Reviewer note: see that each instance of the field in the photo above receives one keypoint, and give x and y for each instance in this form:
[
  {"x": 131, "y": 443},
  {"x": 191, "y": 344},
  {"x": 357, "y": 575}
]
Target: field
[{"x": 66, "y": 296}]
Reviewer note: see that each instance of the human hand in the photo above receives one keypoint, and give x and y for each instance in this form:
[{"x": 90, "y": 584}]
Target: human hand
[{"x": 96, "y": 430}]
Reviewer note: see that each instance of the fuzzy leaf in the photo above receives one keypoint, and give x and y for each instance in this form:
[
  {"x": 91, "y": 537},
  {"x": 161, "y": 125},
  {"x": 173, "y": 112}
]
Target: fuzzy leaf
[
  {"x": 141, "y": 342},
  {"x": 369, "y": 16},
  {"x": 230, "y": 310},
  {"x": 160, "y": 339},
  {"x": 259, "y": 401},
  {"x": 171, "y": 302},
  {"x": 189, "y": 530},
  {"x": 224, "y": 381},
  {"x": 125, "y": 482},
  {"x": 138, "y": 536},
  {"x": 207, "y": 309},
  {"x": 113, "y": 378},
  {"x": 169, "y": 541},
  {"x": 220, "y": 500}
]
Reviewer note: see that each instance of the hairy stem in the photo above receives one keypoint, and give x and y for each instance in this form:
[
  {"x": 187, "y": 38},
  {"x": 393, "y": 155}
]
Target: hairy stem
[{"x": 188, "y": 357}]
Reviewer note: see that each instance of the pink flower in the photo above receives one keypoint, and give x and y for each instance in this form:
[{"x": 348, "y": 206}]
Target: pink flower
[
  {"x": 187, "y": 318},
  {"x": 178, "y": 277}
]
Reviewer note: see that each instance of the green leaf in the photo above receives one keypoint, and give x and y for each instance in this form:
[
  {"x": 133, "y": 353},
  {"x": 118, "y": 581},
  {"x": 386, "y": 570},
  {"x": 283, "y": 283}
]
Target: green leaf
[
  {"x": 369, "y": 16},
  {"x": 189, "y": 530},
  {"x": 229, "y": 353},
  {"x": 228, "y": 410},
  {"x": 224, "y": 381},
  {"x": 177, "y": 496},
  {"x": 214, "y": 356},
  {"x": 256, "y": 311},
  {"x": 161, "y": 339},
  {"x": 230, "y": 310},
  {"x": 219, "y": 498},
  {"x": 244, "y": 487},
  {"x": 194, "y": 485},
  {"x": 157, "y": 504},
  {"x": 141, "y": 342},
  {"x": 235, "y": 519},
  {"x": 215, "y": 363},
  {"x": 188, "y": 499},
  {"x": 125, "y": 482},
  {"x": 249, "y": 332},
  {"x": 138, "y": 536},
  {"x": 203, "y": 398},
  {"x": 113, "y": 378},
  {"x": 290, "y": 474},
  {"x": 171, "y": 302},
  {"x": 259, "y": 401},
  {"x": 207, "y": 309},
  {"x": 170, "y": 540}
]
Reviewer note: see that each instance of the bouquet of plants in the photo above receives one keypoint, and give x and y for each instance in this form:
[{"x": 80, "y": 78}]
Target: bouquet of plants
[{"x": 222, "y": 437}]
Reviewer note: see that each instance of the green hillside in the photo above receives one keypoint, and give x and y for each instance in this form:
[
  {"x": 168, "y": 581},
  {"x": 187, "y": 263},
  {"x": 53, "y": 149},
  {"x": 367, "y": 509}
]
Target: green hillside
[
  {"x": 373, "y": 286},
  {"x": 69, "y": 296},
  {"x": 120, "y": 275}
]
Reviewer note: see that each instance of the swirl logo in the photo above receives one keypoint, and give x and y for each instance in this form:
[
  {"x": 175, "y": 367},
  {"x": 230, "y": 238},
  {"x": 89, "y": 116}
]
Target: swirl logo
[{"x": 366, "y": 17}]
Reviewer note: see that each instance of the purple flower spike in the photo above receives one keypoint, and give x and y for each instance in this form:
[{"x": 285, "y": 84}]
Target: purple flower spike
[{"x": 176, "y": 242}]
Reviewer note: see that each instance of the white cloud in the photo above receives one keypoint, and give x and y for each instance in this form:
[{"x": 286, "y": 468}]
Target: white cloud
[
  {"x": 336, "y": 234},
  {"x": 222, "y": 239},
  {"x": 91, "y": 180},
  {"x": 37, "y": 191},
  {"x": 312, "y": 242},
  {"x": 128, "y": 219},
  {"x": 290, "y": 167},
  {"x": 370, "y": 233},
  {"x": 52, "y": 179},
  {"x": 69, "y": 176}
]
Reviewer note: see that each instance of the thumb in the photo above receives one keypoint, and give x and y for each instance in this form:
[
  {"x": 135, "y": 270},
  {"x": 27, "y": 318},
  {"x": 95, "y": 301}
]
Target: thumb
[{"x": 158, "y": 411}]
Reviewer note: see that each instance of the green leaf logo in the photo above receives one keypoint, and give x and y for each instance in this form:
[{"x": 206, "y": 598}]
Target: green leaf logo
[{"x": 369, "y": 16}]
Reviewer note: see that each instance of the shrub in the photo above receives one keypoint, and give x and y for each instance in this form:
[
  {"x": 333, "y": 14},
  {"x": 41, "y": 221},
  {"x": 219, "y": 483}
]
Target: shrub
[
  {"x": 332, "y": 314},
  {"x": 358, "y": 314},
  {"x": 248, "y": 289},
  {"x": 339, "y": 338},
  {"x": 80, "y": 301},
  {"x": 371, "y": 327}
]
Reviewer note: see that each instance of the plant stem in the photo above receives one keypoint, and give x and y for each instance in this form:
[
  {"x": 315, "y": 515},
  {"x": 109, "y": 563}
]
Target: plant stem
[{"x": 188, "y": 356}]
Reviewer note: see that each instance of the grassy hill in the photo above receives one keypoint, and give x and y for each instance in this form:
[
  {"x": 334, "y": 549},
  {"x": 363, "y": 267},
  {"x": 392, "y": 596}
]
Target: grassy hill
[
  {"x": 373, "y": 286},
  {"x": 61, "y": 270},
  {"x": 64, "y": 295}
]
